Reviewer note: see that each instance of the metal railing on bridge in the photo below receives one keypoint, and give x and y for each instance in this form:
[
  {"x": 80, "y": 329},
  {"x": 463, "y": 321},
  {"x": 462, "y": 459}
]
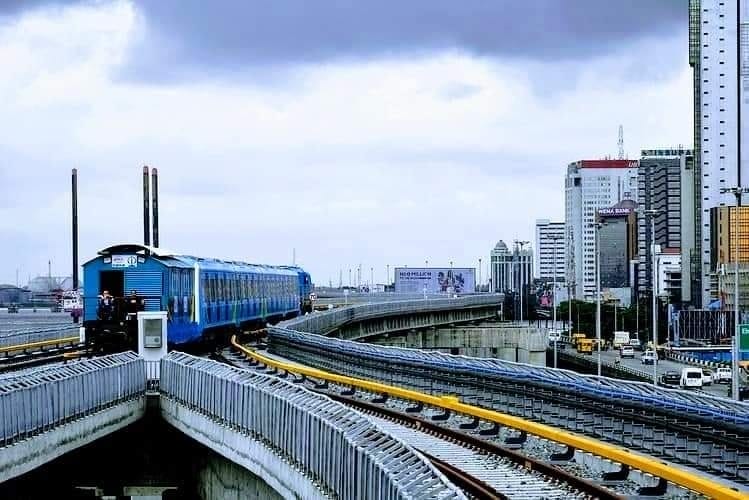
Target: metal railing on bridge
[
  {"x": 34, "y": 335},
  {"x": 340, "y": 448},
  {"x": 34, "y": 402},
  {"x": 672, "y": 400},
  {"x": 326, "y": 321}
]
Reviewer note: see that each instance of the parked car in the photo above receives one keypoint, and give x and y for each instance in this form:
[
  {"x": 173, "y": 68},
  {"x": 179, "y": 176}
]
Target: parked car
[
  {"x": 691, "y": 377},
  {"x": 648, "y": 358},
  {"x": 707, "y": 377},
  {"x": 670, "y": 378},
  {"x": 627, "y": 352},
  {"x": 722, "y": 375}
]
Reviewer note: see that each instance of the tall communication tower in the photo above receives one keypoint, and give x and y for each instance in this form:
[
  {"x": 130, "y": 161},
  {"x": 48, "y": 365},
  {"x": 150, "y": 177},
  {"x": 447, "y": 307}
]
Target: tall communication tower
[{"x": 621, "y": 142}]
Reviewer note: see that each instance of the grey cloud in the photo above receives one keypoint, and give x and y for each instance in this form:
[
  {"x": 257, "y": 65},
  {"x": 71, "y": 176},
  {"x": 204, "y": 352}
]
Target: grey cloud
[
  {"x": 187, "y": 36},
  {"x": 10, "y": 8}
]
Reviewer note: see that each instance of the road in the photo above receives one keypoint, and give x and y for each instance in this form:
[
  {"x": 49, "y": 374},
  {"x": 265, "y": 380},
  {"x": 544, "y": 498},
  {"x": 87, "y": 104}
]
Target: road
[{"x": 609, "y": 357}]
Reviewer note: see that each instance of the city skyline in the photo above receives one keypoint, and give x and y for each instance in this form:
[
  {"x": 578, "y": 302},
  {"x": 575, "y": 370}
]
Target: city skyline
[{"x": 441, "y": 145}]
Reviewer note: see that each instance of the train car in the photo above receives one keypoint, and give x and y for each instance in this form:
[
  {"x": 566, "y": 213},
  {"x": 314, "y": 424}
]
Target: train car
[
  {"x": 305, "y": 287},
  {"x": 205, "y": 298}
]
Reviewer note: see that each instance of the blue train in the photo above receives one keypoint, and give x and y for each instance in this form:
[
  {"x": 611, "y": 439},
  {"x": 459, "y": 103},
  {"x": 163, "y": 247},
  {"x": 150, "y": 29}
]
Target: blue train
[{"x": 204, "y": 298}]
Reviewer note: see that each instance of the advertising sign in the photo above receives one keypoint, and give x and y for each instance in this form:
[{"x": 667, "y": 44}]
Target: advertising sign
[
  {"x": 743, "y": 338},
  {"x": 124, "y": 261},
  {"x": 435, "y": 280}
]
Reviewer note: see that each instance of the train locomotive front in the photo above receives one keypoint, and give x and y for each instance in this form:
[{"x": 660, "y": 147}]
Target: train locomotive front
[{"x": 205, "y": 299}]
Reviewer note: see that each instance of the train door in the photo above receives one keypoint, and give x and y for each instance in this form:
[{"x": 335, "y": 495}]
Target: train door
[{"x": 113, "y": 282}]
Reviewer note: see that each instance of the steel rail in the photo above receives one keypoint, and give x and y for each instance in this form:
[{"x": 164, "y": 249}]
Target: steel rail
[
  {"x": 466, "y": 482},
  {"x": 667, "y": 471},
  {"x": 529, "y": 463}
]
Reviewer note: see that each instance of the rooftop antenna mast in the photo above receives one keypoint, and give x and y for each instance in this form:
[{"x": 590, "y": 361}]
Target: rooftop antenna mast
[{"x": 621, "y": 142}]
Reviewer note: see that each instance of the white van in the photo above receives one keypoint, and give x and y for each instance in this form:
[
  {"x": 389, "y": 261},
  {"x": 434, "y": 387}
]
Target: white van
[{"x": 691, "y": 377}]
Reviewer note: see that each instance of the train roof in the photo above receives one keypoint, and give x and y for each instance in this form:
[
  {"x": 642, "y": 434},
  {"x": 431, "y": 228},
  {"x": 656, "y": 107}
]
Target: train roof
[{"x": 173, "y": 259}]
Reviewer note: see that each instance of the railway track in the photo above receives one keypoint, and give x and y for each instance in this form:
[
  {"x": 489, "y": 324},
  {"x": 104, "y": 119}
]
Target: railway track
[
  {"x": 475, "y": 460},
  {"x": 22, "y": 356}
]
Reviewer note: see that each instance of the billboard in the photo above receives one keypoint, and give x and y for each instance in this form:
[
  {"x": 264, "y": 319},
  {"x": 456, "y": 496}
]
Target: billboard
[{"x": 435, "y": 279}]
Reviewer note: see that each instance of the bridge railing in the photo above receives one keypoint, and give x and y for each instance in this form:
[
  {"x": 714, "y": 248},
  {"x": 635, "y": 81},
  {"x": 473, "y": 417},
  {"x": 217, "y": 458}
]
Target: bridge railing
[
  {"x": 338, "y": 446},
  {"x": 34, "y": 335},
  {"x": 34, "y": 402},
  {"x": 625, "y": 392},
  {"x": 326, "y": 321}
]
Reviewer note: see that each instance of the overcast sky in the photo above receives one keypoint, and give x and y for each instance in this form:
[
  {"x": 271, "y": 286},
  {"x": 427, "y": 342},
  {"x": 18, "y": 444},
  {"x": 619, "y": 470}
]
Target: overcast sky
[{"x": 373, "y": 132}]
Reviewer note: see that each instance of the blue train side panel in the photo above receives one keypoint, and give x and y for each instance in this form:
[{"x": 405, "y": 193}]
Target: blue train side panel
[{"x": 199, "y": 294}]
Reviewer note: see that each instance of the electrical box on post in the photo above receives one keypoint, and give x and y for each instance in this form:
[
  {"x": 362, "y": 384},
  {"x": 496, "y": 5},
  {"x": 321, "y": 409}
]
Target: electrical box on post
[{"x": 152, "y": 342}]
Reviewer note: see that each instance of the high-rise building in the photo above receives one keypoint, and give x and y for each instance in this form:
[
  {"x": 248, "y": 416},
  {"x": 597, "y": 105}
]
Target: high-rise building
[
  {"x": 659, "y": 188},
  {"x": 617, "y": 239},
  {"x": 719, "y": 93},
  {"x": 549, "y": 241},
  {"x": 723, "y": 241},
  {"x": 510, "y": 269},
  {"x": 591, "y": 185},
  {"x": 691, "y": 289}
]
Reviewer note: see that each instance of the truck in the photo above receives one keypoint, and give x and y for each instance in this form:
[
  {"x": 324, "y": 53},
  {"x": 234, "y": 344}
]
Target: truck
[
  {"x": 620, "y": 338},
  {"x": 576, "y": 338},
  {"x": 722, "y": 375},
  {"x": 585, "y": 346}
]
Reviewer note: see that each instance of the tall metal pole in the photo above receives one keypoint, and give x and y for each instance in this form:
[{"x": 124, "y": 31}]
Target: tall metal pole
[
  {"x": 655, "y": 298},
  {"x": 74, "y": 199},
  {"x": 735, "y": 343},
  {"x": 155, "y": 206},
  {"x": 569, "y": 309},
  {"x": 479, "y": 287},
  {"x": 598, "y": 296},
  {"x": 522, "y": 274},
  {"x": 554, "y": 298},
  {"x": 146, "y": 210}
]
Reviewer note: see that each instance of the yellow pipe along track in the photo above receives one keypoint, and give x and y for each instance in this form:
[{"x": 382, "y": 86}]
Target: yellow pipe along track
[
  {"x": 43, "y": 343},
  {"x": 676, "y": 475}
]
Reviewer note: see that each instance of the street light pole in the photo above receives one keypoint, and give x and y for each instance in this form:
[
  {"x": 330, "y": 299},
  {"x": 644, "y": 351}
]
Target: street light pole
[
  {"x": 598, "y": 226},
  {"x": 479, "y": 275},
  {"x": 554, "y": 240},
  {"x": 520, "y": 262},
  {"x": 654, "y": 277},
  {"x": 737, "y": 191}
]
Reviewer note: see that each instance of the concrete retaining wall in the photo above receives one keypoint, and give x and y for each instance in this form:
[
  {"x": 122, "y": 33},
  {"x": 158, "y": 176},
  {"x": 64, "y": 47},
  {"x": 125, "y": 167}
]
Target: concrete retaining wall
[
  {"x": 223, "y": 479},
  {"x": 507, "y": 342},
  {"x": 279, "y": 475},
  {"x": 26, "y": 455}
]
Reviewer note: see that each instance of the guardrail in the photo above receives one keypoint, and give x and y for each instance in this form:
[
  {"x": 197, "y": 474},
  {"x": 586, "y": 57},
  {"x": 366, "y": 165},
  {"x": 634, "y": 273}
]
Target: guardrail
[
  {"x": 640, "y": 393},
  {"x": 350, "y": 455},
  {"x": 35, "y": 402},
  {"x": 326, "y": 321},
  {"x": 619, "y": 454},
  {"x": 38, "y": 335},
  {"x": 5, "y": 350}
]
